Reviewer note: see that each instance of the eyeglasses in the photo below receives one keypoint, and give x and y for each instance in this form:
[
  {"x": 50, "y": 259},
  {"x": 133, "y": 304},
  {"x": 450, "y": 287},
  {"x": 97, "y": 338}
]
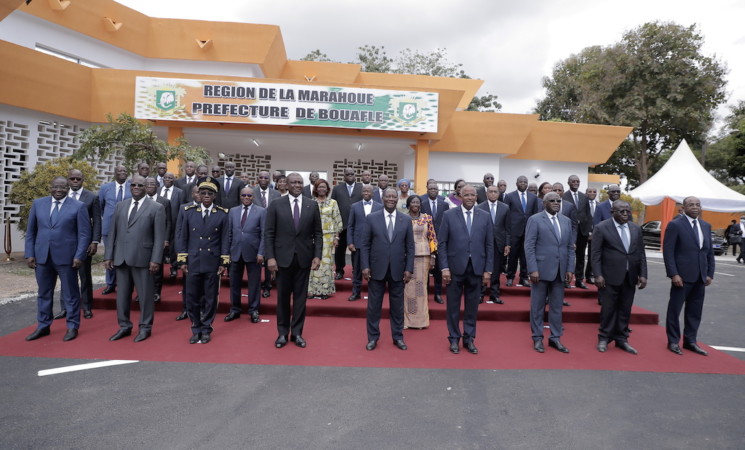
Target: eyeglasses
[
  {"x": 614, "y": 192},
  {"x": 247, "y": 195},
  {"x": 263, "y": 178},
  {"x": 554, "y": 201},
  {"x": 137, "y": 185},
  {"x": 75, "y": 178},
  {"x": 207, "y": 193},
  {"x": 623, "y": 211}
]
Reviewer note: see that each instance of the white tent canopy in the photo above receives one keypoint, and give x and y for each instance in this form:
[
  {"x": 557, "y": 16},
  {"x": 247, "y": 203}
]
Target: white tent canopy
[{"x": 683, "y": 176}]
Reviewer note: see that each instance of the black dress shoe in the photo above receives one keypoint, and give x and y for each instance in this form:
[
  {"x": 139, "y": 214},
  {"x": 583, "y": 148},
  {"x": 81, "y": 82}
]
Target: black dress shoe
[
  {"x": 142, "y": 335},
  {"x": 338, "y": 275},
  {"x": 123, "y": 332},
  {"x": 509, "y": 283},
  {"x": 454, "y": 348},
  {"x": 232, "y": 316},
  {"x": 255, "y": 317},
  {"x": 108, "y": 290},
  {"x": 567, "y": 285},
  {"x": 602, "y": 346},
  {"x": 324, "y": 297},
  {"x": 71, "y": 334},
  {"x": 591, "y": 280},
  {"x": 555, "y": 343},
  {"x": 496, "y": 300},
  {"x": 354, "y": 297},
  {"x": 538, "y": 346},
  {"x": 265, "y": 293},
  {"x": 39, "y": 332},
  {"x": 471, "y": 348},
  {"x": 194, "y": 339},
  {"x": 675, "y": 348},
  {"x": 156, "y": 298},
  {"x": 87, "y": 313},
  {"x": 695, "y": 349},
  {"x": 173, "y": 274},
  {"x": 205, "y": 338},
  {"x": 280, "y": 342},
  {"x": 299, "y": 341},
  {"x": 566, "y": 303},
  {"x": 400, "y": 344},
  {"x": 580, "y": 284},
  {"x": 438, "y": 299},
  {"x": 371, "y": 345},
  {"x": 525, "y": 282},
  {"x": 626, "y": 347},
  {"x": 182, "y": 316},
  {"x": 60, "y": 315}
]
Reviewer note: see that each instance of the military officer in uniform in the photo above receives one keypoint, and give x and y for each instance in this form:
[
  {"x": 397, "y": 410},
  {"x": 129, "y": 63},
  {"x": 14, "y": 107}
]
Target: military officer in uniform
[{"x": 204, "y": 254}]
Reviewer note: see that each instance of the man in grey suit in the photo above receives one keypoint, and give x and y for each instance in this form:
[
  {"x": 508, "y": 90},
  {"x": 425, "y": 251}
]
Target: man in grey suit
[
  {"x": 308, "y": 188},
  {"x": 620, "y": 265},
  {"x": 230, "y": 186},
  {"x": 246, "y": 237},
  {"x": 481, "y": 191},
  {"x": 135, "y": 248},
  {"x": 190, "y": 176},
  {"x": 549, "y": 253},
  {"x": 500, "y": 218},
  {"x": 265, "y": 195},
  {"x": 356, "y": 224}
]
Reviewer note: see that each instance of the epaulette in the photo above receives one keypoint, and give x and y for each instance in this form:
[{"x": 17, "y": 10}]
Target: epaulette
[
  {"x": 188, "y": 207},
  {"x": 225, "y": 210}
]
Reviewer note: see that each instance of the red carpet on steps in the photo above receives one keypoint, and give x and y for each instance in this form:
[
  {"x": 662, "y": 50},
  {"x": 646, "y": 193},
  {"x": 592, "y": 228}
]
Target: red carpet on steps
[{"x": 340, "y": 340}]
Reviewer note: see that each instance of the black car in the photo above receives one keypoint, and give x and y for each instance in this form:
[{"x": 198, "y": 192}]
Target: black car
[{"x": 651, "y": 236}]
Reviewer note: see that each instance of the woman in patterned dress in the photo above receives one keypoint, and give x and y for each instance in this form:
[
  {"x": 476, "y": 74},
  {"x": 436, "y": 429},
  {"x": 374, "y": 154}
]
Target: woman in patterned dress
[
  {"x": 416, "y": 312},
  {"x": 321, "y": 283}
]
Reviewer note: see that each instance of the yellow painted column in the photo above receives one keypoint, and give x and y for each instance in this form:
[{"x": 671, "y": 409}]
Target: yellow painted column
[
  {"x": 174, "y": 133},
  {"x": 421, "y": 165}
]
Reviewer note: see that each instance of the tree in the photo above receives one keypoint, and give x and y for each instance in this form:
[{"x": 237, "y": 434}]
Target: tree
[
  {"x": 725, "y": 158},
  {"x": 655, "y": 79},
  {"x": 316, "y": 55},
  {"x": 374, "y": 59}
]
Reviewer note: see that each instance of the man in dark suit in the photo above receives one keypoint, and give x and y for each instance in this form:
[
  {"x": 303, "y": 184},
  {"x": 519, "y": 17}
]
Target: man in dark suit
[
  {"x": 246, "y": 239},
  {"x": 230, "y": 187},
  {"x": 522, "y": 205},
  {"x": 549, "y": 252},
  {"x": 584, "y": 227},
  {"x": 293, "y": 242},
  {"x": 109, "y": 195},
  {"x": 57, "y": 239},
  {"x": 500, "y": 218},
  {"x": 382, "y": 186},
  {"x": 308, "y": 188},
  {"x": 481, "y": 191},
  {"x": 356, "y": 224},
  {"x": 196, "y": 199},
  {"x": 466, "y": 250},
  {"x": 345, "y": 194},
  {"x": 602, "y": 210},
  {"x": 435, "y": 205},
  {"x": 152, "y": 192},
  {"x": 135, "y": 249},
  {"x": 204, "y": 254},
  {"x": 175, "y": 196},
  {"x": 190, "y": 176},
  {"x": 689, "y": 263},
  {"x": 265, "y": 195},
  {"x": 387, "y": 259},
  {"x": 93, "y": 205},
  {"x": 592, "y": 194},
  {"x": 502, "y": 186},
  {"x": 160, "y": 171},
  {"x": 620, "y": 265}
]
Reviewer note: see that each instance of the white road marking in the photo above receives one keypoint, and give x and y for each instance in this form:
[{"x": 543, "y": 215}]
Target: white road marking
[
  {"x": 75, "y": 368},
  {"x": 725, "y": 274},
  {"x": 728, "y": 349}
]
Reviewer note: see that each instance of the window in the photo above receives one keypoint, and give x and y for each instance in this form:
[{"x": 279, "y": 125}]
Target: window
[{"x": 68, "y": 57}]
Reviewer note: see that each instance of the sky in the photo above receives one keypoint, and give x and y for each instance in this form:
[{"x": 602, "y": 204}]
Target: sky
[{"x": 511, "y": 45}]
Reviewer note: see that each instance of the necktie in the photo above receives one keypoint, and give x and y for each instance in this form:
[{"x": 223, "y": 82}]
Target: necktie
[
  {"x": 245, "y": 214},
  {"x": 434, "y": 208},
  {"x": 206, "y": 214},
  {"x": 75, "y": 195},
  {"x": 390, "y": 227},
  {"x": 349, "y": 189},
  {"x": 166, "y": 194},
  {"x": 119, "y": 195},
  {"x": 132, "y": 214},
  {"x": 368, "y": 203},
  {"x": 695, "y": 232},
  {"x": 468, "y": 221},
  {"x": 525, "y": 204},
  {"x": 493, "y": 212},
  {"x": 592, "y": 208},
  {"x": 263, "y": 198},
  {"x": 55, "y": 212},
  {"x": 227, "y": 185},
  {"x": 296, "y": 215},
  {"x": 624, "y": 237},
  {"x": 557, "y": 230},
  {"x": 576, "y": 199}
]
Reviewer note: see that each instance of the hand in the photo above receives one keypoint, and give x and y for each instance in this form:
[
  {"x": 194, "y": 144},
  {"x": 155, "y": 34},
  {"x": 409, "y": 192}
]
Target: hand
[
  {"x": 486, "y": 279},
  {"x": 185, "y": 268},
  {"x": 506, "y": 250},
  {"x": 642, "y": 282},
  {"x": 31, "y": 262},
  {"x": 92, "y": 249},
  {"x": 366, "y": 274},
  {"x": 154, "y": 268},
  {"x": 271, "y": 264},
  {"x": 432, "y": 262},
  {"x": 108, "y": 264},
  {"x": 260, "y": 259},
  {"x": 677, "y": 281},
  {"x": 220, "y": 270},
  {"x": 408, "y": 276},
  {"x": 446, "y": 276},
  {"x": 600, "y": 281},
  {"x": 568, "y": 277},
  {"x": 76, "y": 263},
  {"x": 708, "y": 281},
  {"x": 336, "y": 242},
  {"x": 351, "y": 247},
  {"x": 166, "y": 244},
  {"x": 315, "y": 264},
  {"x": 535, "y": 277}
]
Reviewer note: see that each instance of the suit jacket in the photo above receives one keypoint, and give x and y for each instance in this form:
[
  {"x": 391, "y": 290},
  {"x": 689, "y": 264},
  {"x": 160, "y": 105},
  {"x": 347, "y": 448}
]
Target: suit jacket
[
  {"x": 181, "y": 183},
  {"x": 377, "y": 195},
  {"x": 62, "y": 241},
  {"x": 177, "y": 198},
  {"x": 308, "y": 191},
  {"x": 140, "y": 243},
  {"x": 611, "y": 260},
  {"x": 282, "y": 242},
  {"x": 201, "y": 244},
  {"x": 602, "y": 212},
  {"x": 584, "y": 219},
  {"x": 271, "y": 194},
  {"x": 356, "y": 222},
  {"x": 379, "y": 254},
  {"x": 569, "y": 210},
  {"x": 93, "y": 204},
  {"x": 442, "y": 206},
  {"x": 518, "y": 217},
  {"x": 543, "y": 252},
  {"x": 170, "y": 223},
  {"x": 481, "y": 194},
  {"x": 247, "y": 241},
  {"x": 233, "y": 197},
  {"x": 456, "y": 247},
  {"x": 107, "y": 197},
  {"x": 681, "y": 254},
  {"x": 501, "y": 224},
  {"x": 344, "y": 200}
]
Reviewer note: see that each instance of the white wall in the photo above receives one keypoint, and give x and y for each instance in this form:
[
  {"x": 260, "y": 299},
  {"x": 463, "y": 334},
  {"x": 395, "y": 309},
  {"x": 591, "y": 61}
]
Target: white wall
[
  {"x": 469, "y": 166},
  {"x": 551, "y": 171}
]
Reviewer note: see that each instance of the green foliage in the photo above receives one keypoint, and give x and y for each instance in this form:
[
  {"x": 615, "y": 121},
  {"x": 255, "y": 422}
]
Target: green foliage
[
  {"x": 485, "y": 103},
  {"x": 316, "y": 55},
  {"x": 374, "y": 59},
  {"x": 186, "y": 152},
  {"x": 725, "y": 158},
  {"x": 655, "y": 79},
  {"x": 638, "y": 209},
  {"x": 35, "y": 184}
]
